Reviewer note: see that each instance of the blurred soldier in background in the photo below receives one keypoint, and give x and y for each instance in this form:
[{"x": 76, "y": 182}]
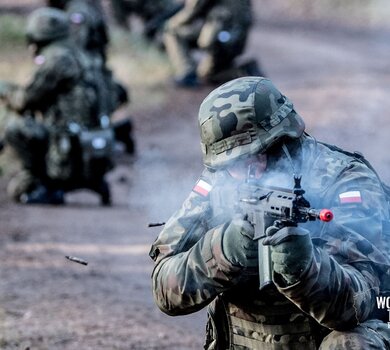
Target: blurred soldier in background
[
  {"x": 59, "y": 105},
  {"x": 153, "y": 13},
  {"x": 89, "y": 30},
  {"x": 220, "y": 30},
  {"x": 324, "y": 275},
  {"x": 88, "y": 25}
]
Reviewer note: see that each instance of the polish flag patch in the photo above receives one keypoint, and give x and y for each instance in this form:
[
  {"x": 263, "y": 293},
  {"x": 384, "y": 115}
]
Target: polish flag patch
[
  {"x": 202, "y": 188},
  {"x": 39, "y": 60},
  {"x": 350, "y": 197}
]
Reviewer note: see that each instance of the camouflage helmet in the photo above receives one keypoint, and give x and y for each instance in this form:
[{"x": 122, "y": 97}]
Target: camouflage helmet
[
  {"x": 47, "y": 24},
  {"x": 245, "y": 116}
]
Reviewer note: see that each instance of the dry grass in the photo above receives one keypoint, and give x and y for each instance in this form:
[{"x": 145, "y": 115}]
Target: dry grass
[
  {"x": 141, "y": 66},
  {"x": 355, "y": 13}
]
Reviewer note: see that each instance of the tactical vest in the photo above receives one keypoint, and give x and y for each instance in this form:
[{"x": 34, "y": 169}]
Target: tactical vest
[
  {"x": 78, "y": 99},
  {"x": 260, "y": 320}
]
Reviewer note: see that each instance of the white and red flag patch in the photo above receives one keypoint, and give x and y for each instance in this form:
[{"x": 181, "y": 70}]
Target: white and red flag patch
[
  {"x": 202, "y": 188},
  {"x": 350, "y": 197}
]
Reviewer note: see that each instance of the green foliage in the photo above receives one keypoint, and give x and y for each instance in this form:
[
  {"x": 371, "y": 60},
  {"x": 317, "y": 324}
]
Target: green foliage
[{"x": 12, "y": 30}]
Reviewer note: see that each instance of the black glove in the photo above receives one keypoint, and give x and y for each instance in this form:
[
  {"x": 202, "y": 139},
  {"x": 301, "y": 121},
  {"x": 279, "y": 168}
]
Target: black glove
[
  {"x": 238, "y": 245},
  {"x": 291, "y": 251}
]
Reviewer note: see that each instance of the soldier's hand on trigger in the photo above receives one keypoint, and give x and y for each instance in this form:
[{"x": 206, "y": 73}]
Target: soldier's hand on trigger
[
  {"x": 238, "y": 245},
  {"x": 291, "y": 251}
]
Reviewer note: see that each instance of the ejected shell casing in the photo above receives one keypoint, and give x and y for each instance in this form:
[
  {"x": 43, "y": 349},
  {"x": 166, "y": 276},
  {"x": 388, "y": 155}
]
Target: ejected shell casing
[{"x": 77, "y": 260}]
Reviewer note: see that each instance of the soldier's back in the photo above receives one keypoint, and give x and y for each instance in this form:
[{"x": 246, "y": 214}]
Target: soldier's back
[
  {"x": 72, "y": 69},
  {"x": 88, "y": 28}
]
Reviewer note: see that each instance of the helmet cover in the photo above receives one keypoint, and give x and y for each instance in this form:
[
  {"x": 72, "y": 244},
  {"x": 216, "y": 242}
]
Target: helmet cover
[{"x": 245, "y": 116}]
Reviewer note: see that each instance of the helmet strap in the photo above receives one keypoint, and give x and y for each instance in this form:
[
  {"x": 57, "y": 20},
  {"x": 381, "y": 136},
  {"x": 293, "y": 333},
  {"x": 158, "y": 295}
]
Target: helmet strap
[{"x": 288, "y": 155}]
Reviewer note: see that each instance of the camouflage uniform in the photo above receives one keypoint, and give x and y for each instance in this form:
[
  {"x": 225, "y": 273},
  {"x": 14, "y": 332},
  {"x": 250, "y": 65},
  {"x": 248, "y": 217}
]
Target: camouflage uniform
[
  {"x": 63, "y": 90},
  {"x": 332, "y": 304},
  {"x": 88, "y": 26},
  {"x": 90, "y": 32},
  {"x": 218, "y": 28}
]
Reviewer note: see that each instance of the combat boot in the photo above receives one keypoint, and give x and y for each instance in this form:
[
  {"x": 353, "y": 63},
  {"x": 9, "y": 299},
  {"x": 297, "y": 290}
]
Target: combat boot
[
  {"x": 123, "y": 133},
  {"x": 188, "y": 80},
  {"x": 41, "y": 195},
  {"x": 103, "y": 189}
]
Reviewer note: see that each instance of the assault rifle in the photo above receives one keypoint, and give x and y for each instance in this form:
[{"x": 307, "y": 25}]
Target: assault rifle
[{"x": 275, "y": 206}]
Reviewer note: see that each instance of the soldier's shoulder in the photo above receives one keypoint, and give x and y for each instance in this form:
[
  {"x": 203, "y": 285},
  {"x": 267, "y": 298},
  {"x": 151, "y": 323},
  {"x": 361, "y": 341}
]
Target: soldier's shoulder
[
  {"x": 326, "y": 164},
  {"x": 330, "y": 153},
  {"x": 57, "y": 50},
  {"x": 57, "y": 55}
]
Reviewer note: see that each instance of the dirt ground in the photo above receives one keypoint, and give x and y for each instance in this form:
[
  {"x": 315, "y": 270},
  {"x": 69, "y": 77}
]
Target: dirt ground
[{"x": 339, "y": 81}]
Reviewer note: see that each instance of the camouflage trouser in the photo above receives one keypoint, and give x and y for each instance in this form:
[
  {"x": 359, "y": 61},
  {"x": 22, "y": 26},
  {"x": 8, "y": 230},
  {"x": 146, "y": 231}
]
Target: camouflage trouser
[
  {"x": 20, "y": 183},
  {"x": 219, "y": 45},
  {"x": 370, "y": 335},
  {"x": 178, "y": 44},
  {"x": 29, "y": 140}
]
